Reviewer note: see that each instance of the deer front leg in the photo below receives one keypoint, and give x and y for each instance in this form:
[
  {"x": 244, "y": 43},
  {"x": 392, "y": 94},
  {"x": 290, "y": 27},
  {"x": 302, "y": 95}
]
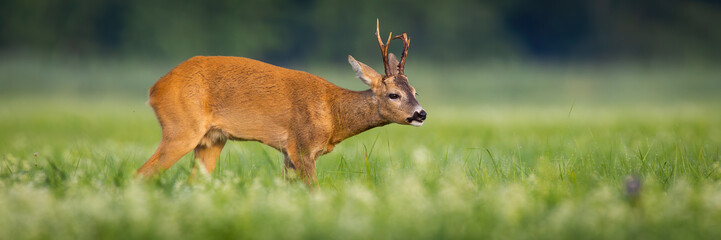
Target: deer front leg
[
  {"x": 288, "y": 167},
  {"x": 302, "y": 163}
]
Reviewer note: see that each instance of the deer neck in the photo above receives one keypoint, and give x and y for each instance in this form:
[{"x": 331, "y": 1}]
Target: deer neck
[{"x": 354, "y": 112}]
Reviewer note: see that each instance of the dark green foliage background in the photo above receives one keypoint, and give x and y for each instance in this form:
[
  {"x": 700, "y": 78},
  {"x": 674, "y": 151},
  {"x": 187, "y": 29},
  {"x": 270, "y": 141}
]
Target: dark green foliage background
[{"x": 290, "y": 32}]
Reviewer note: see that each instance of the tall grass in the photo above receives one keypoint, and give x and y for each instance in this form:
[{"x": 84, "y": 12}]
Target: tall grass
[{"x": 521, "y": 173}]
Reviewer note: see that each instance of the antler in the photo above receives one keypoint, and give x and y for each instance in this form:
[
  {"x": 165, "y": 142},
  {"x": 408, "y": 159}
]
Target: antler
[
  {"x": 384, "y": 49},
  {"x": 406, "y": 44}
]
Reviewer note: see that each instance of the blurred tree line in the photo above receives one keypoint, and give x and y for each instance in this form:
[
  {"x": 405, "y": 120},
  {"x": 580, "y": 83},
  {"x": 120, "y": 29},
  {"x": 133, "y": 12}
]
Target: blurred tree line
[{"x": 328, "y": 30}]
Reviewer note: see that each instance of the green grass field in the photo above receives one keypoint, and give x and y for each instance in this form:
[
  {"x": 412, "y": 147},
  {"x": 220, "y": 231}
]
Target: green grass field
[{"x": 513, "y": 152}]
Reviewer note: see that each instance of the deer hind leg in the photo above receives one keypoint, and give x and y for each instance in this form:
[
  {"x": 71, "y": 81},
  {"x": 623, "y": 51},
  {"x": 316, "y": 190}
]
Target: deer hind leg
[
  {"x": 208, "y": 151},
  {"x": 176, "y": 142}
]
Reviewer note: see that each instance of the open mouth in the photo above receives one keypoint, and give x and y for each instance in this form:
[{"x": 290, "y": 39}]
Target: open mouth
[{"x": 415, "y": 121}]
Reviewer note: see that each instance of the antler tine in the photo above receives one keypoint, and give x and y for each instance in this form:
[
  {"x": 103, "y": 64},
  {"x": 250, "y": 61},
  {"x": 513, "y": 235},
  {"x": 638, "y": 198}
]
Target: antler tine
[
  {"x": 406, "y": 44},
  {"x": 384, "y": 48}
]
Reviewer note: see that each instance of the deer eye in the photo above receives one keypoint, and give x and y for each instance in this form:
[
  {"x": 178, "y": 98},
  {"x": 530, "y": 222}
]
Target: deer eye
[{"x": 393, "y": 96}]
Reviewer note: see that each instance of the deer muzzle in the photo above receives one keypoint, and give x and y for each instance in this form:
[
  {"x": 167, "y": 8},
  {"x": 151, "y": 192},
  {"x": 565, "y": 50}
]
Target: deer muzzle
[{"x": 417, "y": 118}]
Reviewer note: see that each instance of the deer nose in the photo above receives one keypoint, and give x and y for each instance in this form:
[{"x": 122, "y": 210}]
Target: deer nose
[{"x": 422, "y": 114}]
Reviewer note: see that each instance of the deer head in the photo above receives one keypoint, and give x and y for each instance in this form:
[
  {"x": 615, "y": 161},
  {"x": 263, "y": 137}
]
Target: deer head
[{"x": 396, "y": 98}]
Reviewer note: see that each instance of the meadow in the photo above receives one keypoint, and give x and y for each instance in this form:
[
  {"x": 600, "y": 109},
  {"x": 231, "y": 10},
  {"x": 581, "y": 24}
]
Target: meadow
[{"x": 509, "y": 151}]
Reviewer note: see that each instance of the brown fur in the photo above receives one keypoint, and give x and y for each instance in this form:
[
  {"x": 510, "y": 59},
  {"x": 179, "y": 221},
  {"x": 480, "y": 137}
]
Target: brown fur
[{"x": 205, "y": 101}]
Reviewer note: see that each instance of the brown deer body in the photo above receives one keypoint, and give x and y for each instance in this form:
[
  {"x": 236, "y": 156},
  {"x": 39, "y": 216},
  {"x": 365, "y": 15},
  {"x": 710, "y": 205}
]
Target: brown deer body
[{"x": 205, "y": 101}]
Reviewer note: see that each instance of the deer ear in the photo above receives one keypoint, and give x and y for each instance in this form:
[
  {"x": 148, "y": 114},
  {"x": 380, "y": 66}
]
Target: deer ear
[
  {"x": 365, "y": 73},
  {"x": 393, "y": 63}
]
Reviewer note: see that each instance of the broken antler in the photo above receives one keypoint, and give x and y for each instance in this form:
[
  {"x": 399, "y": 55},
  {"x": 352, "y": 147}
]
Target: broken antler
[{"x": 406, "y": 44}]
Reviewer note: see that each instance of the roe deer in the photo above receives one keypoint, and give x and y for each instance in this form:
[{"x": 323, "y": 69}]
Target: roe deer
[{"x": 205, "y": 101}]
